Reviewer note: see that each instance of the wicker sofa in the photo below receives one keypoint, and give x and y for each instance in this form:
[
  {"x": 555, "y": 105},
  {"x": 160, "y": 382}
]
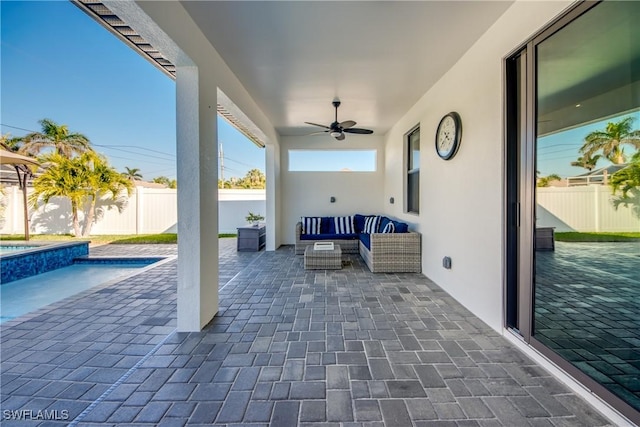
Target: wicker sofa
[{"x": 393, "y": 252}]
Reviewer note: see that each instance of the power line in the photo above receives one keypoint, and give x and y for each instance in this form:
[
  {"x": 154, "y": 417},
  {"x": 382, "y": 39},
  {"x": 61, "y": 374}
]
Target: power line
[
  {"x": 133, "y": 160},
  {"x": 16, "y": 127},
  {"x": 132, "y": 152},
  {"x": 139, "y": 148}
]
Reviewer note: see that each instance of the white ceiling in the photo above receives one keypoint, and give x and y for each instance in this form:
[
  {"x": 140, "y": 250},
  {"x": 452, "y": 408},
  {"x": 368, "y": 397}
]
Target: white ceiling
[{"x": 378, "y": 57}]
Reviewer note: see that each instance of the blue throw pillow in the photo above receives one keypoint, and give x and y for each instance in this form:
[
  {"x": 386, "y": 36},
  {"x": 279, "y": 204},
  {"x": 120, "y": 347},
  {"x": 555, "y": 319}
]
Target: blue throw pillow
[
  {"x": 401, "y": 227},
  {"x": 383, "y": 223},
  {"x": 358, "y": 222},
  {"x": 343, "y": 225},
  {"x": 371, "y": 224},
  {"x": 311, "y": 224},
  {"x": 389, "y": 227},
  {"x": 326, "y": 226}
]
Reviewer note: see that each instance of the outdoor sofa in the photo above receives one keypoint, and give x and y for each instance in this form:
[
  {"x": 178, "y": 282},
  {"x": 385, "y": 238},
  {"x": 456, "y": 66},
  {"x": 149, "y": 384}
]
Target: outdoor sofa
[{"x": 385, "y": 245}]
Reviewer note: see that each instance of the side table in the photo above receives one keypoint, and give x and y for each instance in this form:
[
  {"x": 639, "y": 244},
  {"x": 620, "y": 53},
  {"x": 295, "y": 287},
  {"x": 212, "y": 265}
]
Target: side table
[{"x": 252, "y": 238}]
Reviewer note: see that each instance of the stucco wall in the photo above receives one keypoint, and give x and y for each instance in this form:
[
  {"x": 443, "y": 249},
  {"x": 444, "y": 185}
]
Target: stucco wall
[
  {"x": 461, "y": 200},
  {"x": 309, "y": 193}
]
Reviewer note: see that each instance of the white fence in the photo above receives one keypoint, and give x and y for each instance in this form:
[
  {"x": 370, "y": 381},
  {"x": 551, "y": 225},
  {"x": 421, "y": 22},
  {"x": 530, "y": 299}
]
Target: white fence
[
  {"x": 147, "y": 211},
  {"x": 587, "y": 209}
]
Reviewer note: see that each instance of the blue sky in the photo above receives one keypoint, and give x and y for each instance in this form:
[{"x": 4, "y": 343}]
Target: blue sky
[
  {"x": 58, "y": 63},
  {"x": 557, "y": 151}
]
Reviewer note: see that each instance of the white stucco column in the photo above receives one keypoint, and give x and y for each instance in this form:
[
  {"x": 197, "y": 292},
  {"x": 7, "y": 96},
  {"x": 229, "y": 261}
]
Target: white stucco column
[
  {"x": 272, "y": 163},
  {"x": 197, "y": 155}
]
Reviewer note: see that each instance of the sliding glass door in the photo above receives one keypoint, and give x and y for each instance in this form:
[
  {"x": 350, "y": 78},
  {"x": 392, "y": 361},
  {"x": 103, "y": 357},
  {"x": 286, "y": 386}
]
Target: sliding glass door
[{"x": 573, "y": 197}]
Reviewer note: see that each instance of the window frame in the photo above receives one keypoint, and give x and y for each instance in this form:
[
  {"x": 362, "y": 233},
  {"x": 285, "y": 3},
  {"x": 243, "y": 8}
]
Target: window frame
[
  {"x": 412, "y": 172},
  {"x": 373, "y": 151}
]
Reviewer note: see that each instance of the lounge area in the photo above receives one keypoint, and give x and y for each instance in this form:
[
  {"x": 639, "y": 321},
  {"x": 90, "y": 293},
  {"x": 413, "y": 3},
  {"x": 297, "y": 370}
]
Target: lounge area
[
  {"x": 385, "y": 245},
  {"x": 289, "y": 347}
]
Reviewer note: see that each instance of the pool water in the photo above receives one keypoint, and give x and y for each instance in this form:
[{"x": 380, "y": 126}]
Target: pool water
[{"x": 25, "y": 295}]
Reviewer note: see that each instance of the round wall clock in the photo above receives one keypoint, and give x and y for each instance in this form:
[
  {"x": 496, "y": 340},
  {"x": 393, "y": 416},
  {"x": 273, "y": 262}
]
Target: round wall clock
[{"x": 448, "y": 135}]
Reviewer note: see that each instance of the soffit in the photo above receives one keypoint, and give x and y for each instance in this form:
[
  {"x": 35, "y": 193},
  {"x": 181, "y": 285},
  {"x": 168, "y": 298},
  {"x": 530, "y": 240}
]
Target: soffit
[{"x": 378, "y": 57}]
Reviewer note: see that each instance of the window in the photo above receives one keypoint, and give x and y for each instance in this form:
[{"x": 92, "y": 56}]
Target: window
[
  {"x": 413, "y": 170},
  {"x": 332, "y": 160}
]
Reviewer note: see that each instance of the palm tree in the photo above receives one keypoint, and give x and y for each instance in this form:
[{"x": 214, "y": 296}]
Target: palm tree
[
  {"x": 611, "y": 140},
  {"x": 628, "y": 178},
  {"x": 84, "y": 180},
  {"x": 57, "y": 137},
  {"x": 10, "y": 143},
  {"x": 545, "y": 181},
  {"x": 103, "y": 182},
  {"x": 589, "y": 163},
  {"x": 254, "y": 179},
  {"x": 133, "y": 174},
  {"x": 62, "y": 177},
  {"x": 170, "y": 183}
]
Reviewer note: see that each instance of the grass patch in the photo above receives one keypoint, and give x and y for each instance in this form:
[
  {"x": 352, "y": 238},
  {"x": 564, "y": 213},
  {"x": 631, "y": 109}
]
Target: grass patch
[
  {"x": 572, "y": 236},
  {"x": 145, "y": 239},
  {"x": 130, "y": 239}
]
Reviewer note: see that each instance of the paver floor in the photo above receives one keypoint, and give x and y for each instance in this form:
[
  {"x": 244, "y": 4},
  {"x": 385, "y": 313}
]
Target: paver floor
[
  {"x": 288, "y": 347},
  {"x": 588, "y": 310}
]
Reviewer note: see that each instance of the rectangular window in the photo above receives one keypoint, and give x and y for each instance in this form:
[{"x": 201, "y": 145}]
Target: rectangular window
[
  {"x": 332, "y": 160},
  {"x": 413, "y": 170}
]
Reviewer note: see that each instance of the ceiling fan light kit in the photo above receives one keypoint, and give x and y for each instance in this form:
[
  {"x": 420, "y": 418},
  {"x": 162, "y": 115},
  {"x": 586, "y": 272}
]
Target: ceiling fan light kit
[{"x": 338, "y": 129}]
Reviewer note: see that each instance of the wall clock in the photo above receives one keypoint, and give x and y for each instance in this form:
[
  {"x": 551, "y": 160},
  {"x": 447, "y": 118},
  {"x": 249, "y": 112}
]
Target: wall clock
[{"x": 448, "y": 135}]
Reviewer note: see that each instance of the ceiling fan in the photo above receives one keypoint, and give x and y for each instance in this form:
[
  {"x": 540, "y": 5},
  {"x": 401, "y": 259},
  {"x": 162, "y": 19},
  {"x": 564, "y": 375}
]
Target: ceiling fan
[{"x": 337, "y": 130}]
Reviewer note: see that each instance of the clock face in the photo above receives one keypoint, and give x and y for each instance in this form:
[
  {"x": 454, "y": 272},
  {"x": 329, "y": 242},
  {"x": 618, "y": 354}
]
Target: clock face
[{"x": 448, "y": 136}]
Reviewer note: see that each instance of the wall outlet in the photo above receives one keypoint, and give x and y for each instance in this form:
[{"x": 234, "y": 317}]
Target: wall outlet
[{"x": 446, "y": 262}]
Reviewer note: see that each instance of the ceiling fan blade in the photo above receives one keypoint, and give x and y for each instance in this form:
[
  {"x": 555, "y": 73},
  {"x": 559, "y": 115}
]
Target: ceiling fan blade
[
  {"x": 315, "y": 124},
  {"x": 322, "y": 132},
  {"x": 341, "y": 137},
  {"x": 347, "y": 124},
  {"x": 359, "y": 130}
]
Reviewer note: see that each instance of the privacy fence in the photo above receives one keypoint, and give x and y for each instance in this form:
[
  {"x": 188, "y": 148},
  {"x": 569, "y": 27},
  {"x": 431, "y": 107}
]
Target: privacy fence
[
  {"x": 587, "y": 208},
  {"x": 590, "y": 208},
  {"x": 146, "y": 211}
]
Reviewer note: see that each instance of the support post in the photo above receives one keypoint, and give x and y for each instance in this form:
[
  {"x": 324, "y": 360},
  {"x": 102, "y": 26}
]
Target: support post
[{"x": 197, "y": 200}]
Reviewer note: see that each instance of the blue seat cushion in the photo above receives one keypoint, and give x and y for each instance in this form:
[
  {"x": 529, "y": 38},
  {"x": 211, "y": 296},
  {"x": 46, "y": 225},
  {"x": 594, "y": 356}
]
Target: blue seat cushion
[
  {"x": 328, "y": 236},
  {"x": 365, "y": 239}
]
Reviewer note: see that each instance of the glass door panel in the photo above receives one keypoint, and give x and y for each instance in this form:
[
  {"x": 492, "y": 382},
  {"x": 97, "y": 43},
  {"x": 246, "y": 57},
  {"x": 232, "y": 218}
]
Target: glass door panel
[{"x": 586, "y": 286}]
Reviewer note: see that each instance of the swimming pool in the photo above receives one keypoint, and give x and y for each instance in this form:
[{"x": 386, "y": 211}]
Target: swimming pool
[
  {"x": 36, "y": 258},
  {"x": 23, "y": 296}
]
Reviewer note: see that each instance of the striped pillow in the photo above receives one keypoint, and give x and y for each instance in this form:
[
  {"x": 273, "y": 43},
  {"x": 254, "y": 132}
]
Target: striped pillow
[
  {"x": 371, "y": 224},
  {"x": 310, "y": 225},
  {"x": 389, "y": 228},
  {"x": 344, "y": 224}
]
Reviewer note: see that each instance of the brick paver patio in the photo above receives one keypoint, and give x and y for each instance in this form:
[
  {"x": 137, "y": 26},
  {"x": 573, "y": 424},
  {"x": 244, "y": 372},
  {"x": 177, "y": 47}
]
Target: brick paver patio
[{"x": 288, "y": 347}]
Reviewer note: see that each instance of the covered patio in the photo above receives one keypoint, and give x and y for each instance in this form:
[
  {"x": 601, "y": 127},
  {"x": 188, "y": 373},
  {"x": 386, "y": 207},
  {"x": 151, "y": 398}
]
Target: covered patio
[{"x": 288, "y": 347}]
